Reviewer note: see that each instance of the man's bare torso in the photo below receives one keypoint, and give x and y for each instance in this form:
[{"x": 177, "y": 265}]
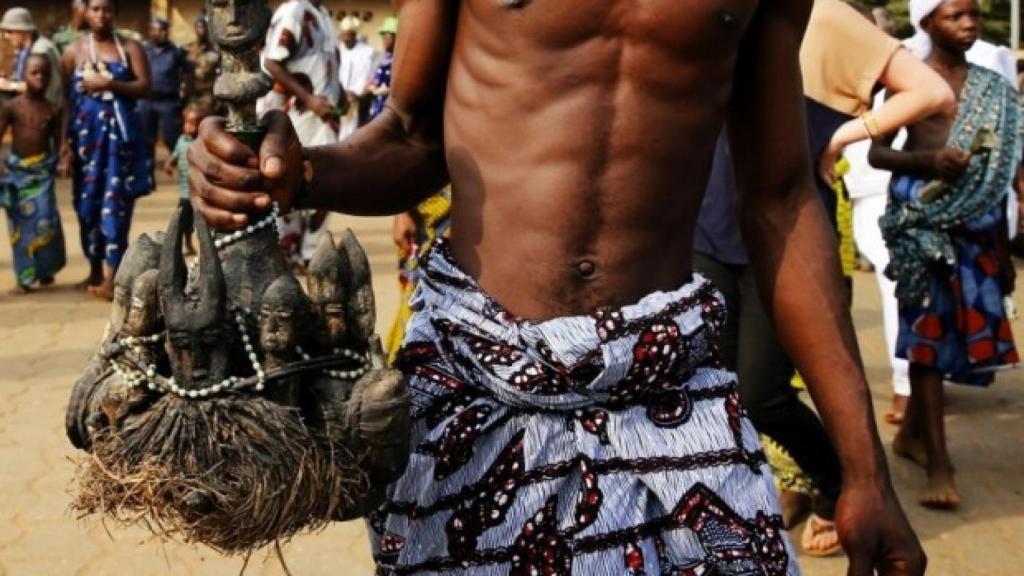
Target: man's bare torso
[
  {"x": 932, "y": 133},
  {"x": 583, "y": 133}
]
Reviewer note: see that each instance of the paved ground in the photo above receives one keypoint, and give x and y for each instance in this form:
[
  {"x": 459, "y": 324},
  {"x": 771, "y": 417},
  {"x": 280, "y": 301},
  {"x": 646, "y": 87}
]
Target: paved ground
[{"x": 48, "y": 337}]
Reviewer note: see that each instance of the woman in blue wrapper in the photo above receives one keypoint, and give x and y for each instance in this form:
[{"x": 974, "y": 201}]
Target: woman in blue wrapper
[{"x": 103, "y": 151}]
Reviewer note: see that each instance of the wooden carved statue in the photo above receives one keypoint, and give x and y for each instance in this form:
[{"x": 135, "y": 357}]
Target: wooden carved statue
[{"x": 226, "y": 406}]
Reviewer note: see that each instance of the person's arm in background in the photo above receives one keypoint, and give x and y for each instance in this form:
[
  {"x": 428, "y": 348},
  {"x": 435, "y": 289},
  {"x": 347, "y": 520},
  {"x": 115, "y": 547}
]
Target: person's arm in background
[
  {"x": 138, "y": 87},
  {"x": 387, "y": 167},
  {"x": 916, "y": 92},
  {"x": 404, "y": 231},
  {"x": 67, "y": 69},
  {"x": 946, "y": 163},
  {"x": 172, "y": 162},
  {"x": 793, "y": 253},
  {"x": 282, "y": 42}
]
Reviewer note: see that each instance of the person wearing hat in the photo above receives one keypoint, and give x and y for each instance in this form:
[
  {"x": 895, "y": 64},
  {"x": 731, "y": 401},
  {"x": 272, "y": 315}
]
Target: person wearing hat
[
  {"x": 356, "y": 71},
  {"x": 19, "y": 29},
  {"x": 380, "y": 84}
]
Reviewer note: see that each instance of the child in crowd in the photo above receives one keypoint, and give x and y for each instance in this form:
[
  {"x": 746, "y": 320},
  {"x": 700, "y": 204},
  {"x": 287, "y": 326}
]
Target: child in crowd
[
  {"x": 33, "y": 220},
  {"x": 192, "y": 116}
]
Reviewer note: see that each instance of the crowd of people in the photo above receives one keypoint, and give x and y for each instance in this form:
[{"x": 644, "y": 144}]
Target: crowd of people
[
  {"x": 933, "y": 208},
  {"x": 115, "y": 99}
]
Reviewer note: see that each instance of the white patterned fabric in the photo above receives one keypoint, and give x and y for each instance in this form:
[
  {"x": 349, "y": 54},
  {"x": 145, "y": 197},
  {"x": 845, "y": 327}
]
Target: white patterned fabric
[{"x": 606, "y": 444}]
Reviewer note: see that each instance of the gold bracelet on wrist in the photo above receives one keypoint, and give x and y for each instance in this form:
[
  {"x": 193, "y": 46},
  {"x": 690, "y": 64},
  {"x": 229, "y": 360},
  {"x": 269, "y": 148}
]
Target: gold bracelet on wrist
[{"x": 871, "y": 125}]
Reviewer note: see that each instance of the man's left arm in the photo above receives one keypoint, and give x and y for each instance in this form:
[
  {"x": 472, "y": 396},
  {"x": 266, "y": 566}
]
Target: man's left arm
[{"x": 793, "y": 249}]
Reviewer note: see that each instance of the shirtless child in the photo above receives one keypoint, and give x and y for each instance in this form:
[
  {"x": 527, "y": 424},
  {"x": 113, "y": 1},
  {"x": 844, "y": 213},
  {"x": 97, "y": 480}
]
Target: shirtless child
[
  {"x": 947, "y": 198},
  {"x": 33, "y": 221}
]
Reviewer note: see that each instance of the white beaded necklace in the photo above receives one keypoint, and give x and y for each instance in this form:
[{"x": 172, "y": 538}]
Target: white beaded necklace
[
  {"x": 135, "y": 378},
  {"x": 364, "y": 364},
  {"x": 269, "y": 220}
]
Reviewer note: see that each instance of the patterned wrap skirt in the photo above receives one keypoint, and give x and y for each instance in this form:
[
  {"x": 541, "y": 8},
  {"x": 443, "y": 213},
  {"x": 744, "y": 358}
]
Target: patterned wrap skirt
[
  {"x": 606, "y": 444},
  {"x": 962, "y": 330}
]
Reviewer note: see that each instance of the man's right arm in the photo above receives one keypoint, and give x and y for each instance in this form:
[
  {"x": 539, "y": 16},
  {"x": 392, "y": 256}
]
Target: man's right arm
[
  {"x": 946, "y": 163},
  {"x": 385, "y": 168}
]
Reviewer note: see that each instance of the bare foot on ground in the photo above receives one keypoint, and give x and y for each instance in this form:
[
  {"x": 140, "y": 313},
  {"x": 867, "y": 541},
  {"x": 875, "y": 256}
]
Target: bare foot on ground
[
  {"x": 820, "y": 538},
  {"x": 102, "y": 292},
  {"x": 84, "y": 285},
  {"x": 898, "y": 413},
  {"x": 941, "y": 493},
  {"x": 908, "y": 446}
]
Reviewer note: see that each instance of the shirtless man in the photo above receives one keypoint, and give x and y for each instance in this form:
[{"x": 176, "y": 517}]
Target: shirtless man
[{"x": 578, "y": 150}]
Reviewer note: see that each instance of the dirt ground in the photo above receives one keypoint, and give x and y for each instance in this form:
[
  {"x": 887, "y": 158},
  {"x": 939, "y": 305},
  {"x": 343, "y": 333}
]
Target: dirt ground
[{"x": 47, "y": 338}]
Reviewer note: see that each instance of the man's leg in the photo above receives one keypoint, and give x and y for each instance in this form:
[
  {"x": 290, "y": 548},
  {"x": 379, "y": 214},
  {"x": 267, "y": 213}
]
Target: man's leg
[
  {"x": 922, "y": 438},
  {"x": 88, "y": 234},
  {"x": 765, "y": 372},
  {"x": 115, "y": 244}
]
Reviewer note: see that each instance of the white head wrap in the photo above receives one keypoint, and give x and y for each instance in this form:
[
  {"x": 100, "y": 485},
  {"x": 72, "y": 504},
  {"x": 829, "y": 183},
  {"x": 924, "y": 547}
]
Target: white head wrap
[
  {"x": 921, "y": 44},
  {"x": 996, "y": 58},
  {"x": 350, "y": 24}
]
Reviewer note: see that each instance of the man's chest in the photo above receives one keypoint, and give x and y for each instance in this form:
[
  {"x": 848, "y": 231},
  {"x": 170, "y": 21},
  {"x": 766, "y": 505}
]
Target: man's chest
[
  {"x": 164, "y": 61},
  {"x": 684, "y": 25}
]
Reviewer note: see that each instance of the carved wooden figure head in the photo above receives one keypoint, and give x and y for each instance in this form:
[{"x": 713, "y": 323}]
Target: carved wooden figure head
[
  {"x": 327, "y": 288},
  {"x": 142, "y": 255},
  {"x": 238, "y": 25},
  {"x": 143, "y": 317},
  {"x": 197, "y": 321},
  {"x": 284, "y": 312}
]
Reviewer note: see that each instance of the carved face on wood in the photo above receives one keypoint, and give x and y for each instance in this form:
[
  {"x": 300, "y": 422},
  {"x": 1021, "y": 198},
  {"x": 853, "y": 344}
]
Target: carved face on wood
[
  {"x": 327, "y": 289},
  {"x": 238, "y": 25},
  {"x": 283, "y": 310},
  {"x": 142, "y": 255},
  {"x": 196, "y": 322},
  {"x": 143, "y": 317}
]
